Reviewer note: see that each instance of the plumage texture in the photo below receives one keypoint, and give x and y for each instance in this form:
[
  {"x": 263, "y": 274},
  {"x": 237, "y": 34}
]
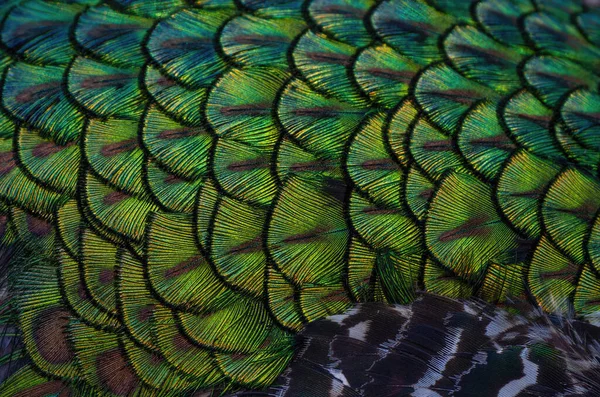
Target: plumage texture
[
  {"x": 442, "y": 347},
  {"x": 184, "y": 185}
]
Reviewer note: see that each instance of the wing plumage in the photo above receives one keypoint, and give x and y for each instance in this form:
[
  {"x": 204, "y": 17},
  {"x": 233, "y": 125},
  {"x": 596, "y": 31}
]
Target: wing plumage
[{"x": 442, "y": 347}]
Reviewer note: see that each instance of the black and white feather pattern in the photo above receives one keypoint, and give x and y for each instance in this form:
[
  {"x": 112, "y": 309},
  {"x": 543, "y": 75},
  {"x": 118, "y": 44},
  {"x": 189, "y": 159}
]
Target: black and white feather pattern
[{"x": 442, "y": 347}]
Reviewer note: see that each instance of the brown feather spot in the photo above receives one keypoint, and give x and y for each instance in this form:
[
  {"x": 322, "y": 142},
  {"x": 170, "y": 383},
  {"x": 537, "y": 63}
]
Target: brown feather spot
[
  {"x": 585, "y": 211},
  {"x": 336, "y": 296},
  {"x": 486, "y": 55},
  {"x": 109, "y": 30},
  {"x": 318, "y": 165},
  {"x": 464, "y": 97},
  {"x": 114, "y": 374},
  {"x": 51, "y": 335},
  {"x": 103, "y": 81},
  {"x": 542, "y": 121},
  {"x": 379, "y": 164},
  {"x": 260, "y": 40},
  {"x": 471, "y": 228},
  {"x": 65, "y": 393},
  {"x": 592, "y": 117},
  {"x": 46, "y": 149},
  {"x": 419, "y": 31},
  {"x": 310, "y": 236},
  {"x": 179, "y": 133},
  {"x": 156, "y": 359},
  {"x": 289, "y": 298},
  {"x": 268, "y": 340},
  {"x": 532, "y": 194},
  {"x": 112, "y": 149},
  {"x": 173, "y": 179},
  {"x": 7, "y": 163},
  {"x": 38, "y": 226},
  {"x": 113, "y": 198},
  {"x": 82, "y": 292},
  {"x": 239, "y": 356},
  {"x": 37, "y": 28},
  {"x": 250, "y": 109},
  {"x": 145, "y": 313},
  {"x": 571, "y": 80},
  {"x": 379, "y": 211},
  {"x": 181, "y": 343},
  {"x": 593, "y": 302},
  {"x": 106, "y": 276},
  {"x": 438, "y": 146},
  {"x": 45, "y": 389},
  {"x": 248, "y": 247},
  {"x": 184, "y": 267},
  {"x": 187, "y": 43},
  {"x": 404, "y": 76},
  {"x": 568, "y": 273},
  {"x": 248, "y": 165},
  {"x": 499, "y": 141},
  {"x": 318, "y": 112},
  {"x": 426, "y": 193},
  {"x": 39, "y": 91},
  {"x": 329, "y": 57},
  {"x": 164, "y": 81}
]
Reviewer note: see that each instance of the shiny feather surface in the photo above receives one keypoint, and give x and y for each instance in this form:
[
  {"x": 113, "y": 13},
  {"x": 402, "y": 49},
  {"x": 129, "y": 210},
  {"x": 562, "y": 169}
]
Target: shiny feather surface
[{"x": 187, "y": 184}]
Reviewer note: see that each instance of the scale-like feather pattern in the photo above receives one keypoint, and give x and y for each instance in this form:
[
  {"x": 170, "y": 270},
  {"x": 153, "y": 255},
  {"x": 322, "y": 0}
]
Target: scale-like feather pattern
[{"x": 186, "y": 184}]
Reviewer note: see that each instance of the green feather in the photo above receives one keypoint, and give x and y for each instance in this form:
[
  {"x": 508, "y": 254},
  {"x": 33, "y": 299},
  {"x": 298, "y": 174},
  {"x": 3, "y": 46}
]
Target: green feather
[
  {"x": 112, "y": 37},
  {"x": 195, "y": 181}
]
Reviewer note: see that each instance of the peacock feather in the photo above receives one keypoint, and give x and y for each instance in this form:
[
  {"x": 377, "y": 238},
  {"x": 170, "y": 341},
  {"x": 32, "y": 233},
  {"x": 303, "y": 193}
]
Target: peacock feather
[{"x": 186, "y": 184}]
